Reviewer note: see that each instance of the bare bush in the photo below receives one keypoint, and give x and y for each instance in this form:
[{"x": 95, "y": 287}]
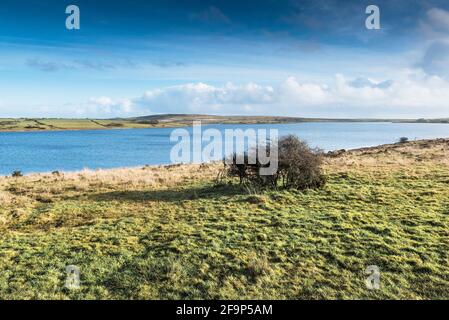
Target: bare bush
[
  {"x": 17, "y": 174},
  {"x": 299, "y": 166}
]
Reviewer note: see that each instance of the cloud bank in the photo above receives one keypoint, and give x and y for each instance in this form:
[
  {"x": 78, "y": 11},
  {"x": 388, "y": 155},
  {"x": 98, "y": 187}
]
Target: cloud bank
[{"x": 412, "y": 94}]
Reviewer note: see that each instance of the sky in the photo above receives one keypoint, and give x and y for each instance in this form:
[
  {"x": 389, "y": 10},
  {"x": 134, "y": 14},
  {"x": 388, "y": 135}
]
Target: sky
[{"x": 265, "y": 57}]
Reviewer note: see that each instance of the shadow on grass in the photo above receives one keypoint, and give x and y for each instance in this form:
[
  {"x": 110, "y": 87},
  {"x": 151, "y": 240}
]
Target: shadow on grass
[{"x": 170, "y": 195}]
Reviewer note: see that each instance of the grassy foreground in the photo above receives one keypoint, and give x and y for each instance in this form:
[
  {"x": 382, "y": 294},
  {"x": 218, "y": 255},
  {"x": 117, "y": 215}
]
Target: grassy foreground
[{"x": 170, "y": 232}]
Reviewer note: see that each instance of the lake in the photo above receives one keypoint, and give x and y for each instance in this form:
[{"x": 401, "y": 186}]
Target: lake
[{"x": 75, "y": 150}]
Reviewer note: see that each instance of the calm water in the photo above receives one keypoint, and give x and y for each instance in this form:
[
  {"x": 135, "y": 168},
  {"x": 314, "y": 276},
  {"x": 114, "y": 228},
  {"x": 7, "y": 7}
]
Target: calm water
[{"x": 76, "y": 150}]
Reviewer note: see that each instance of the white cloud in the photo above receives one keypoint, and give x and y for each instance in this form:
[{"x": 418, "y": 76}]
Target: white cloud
[
  {"x": 293, "y": 92},
  {"x": 411, "y": 94},
  {"x": 201, "y": 97}
]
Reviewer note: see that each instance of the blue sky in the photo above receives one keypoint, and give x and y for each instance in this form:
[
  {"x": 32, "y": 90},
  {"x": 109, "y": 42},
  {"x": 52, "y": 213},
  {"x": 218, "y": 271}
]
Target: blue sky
[{"x": 266, "y": 57}]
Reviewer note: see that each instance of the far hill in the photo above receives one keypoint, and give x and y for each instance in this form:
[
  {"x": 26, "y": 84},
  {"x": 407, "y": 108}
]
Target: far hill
[
  {"x": 188, "y": 118},
  {"x": 169, "y": 120}
]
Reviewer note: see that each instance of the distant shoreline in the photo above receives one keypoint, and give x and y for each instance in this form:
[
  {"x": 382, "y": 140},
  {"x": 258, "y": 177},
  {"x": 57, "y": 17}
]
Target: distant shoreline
[{"x": 172, "y": 121}]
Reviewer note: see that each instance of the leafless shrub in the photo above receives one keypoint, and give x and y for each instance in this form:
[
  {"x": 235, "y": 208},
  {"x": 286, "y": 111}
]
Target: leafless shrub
[
  {"x": 17, "y": 174},
  {"x": 299, "y": 166}
]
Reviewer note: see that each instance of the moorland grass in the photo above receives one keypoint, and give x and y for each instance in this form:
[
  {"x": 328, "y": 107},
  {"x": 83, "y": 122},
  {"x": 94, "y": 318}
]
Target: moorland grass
[
  {"x": 66, "y": 124},
  {"x": 173, "y": 233},
  {"x": 155, "y": 121}
]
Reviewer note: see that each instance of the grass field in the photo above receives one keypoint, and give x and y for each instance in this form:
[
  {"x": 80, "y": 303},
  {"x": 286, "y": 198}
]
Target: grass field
[
  {"x": 171, "y": 232},
  {"x": 66, "y": 124},
  {"x": 167, "y": 120},
  {"x": 157, "y": 121}
]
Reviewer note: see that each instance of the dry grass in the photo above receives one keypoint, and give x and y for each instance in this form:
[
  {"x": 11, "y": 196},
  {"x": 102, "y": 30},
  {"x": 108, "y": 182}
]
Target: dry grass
[
  {"x": 396, "y": 156},
  {"x": 20, "y": 195},
  {"x": 148, "y": 176}
]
